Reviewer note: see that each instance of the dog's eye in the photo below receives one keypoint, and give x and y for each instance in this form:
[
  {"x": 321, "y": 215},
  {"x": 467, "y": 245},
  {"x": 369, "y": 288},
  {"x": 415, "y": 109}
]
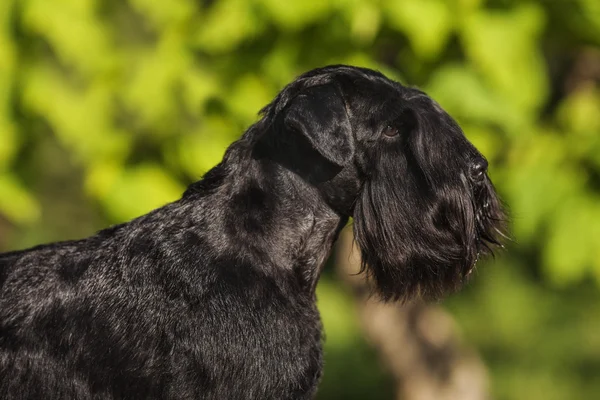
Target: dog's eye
[{"x": 390, "y": 131}]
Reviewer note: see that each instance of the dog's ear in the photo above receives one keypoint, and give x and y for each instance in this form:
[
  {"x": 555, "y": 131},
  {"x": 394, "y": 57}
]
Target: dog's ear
[{"x": 319, "y": 113}]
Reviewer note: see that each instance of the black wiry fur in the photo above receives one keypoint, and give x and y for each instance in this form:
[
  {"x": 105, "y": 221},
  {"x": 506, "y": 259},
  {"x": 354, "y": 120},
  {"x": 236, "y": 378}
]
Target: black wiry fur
[{"x": 213, "y": 296}]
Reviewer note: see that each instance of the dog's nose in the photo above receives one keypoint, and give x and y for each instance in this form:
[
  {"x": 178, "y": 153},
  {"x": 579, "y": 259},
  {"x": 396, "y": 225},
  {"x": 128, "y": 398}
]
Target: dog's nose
[{"x": 478, "y": 168}]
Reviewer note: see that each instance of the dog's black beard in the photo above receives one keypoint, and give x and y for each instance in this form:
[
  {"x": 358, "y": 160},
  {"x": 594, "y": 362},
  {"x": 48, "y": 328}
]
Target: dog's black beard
[
  {"x": 490, "y": 219},
  {"x": 419, "y": 238}
]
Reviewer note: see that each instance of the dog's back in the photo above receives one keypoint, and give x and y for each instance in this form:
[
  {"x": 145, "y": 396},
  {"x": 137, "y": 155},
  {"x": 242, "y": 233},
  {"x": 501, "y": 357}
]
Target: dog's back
[{"x": 144, "y": 310}]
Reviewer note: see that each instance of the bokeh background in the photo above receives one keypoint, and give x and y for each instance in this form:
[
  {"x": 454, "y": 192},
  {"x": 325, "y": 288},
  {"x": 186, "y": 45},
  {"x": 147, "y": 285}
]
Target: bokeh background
[{"x": 109, "y": 108}]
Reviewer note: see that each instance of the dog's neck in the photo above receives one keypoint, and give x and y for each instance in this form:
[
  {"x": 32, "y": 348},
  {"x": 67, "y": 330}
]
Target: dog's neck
[{"x": 262, "y": 205}]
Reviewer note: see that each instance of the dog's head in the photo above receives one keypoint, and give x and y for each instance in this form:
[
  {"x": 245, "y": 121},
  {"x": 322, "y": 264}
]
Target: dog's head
[{"x": 424, "y": 208}]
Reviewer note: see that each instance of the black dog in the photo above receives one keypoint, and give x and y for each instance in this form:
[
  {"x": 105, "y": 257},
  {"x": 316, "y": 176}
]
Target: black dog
[{"x": 213, "y": 296}]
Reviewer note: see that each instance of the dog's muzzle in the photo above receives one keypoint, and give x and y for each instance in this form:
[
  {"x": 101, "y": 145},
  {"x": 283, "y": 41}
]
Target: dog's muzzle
[{"x": 479, "y": 167}]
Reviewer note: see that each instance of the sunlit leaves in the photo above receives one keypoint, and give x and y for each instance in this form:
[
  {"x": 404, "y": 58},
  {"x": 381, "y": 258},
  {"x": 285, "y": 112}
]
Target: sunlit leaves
[
  {"x": 540, "y": 179},
  {"x": 203, "y": 149},
  {"x": 464, "y": 94},
  {"x": 8, "y": 142},
  {"x": 508, "y": 311},
  {"x": 8, "y": 135},
  {"x": 80, "y": 118},
  {"x": 15, "y": 202},
  {"x": 574, "y": 240},
  {"x": 101, "y": 176},
  {"x": 165, "y": 14},
  {"x": 294, "y": 14},
  {"x": 488, "y": 142},
  {"x": 580, "y": 112},
  {"x": 198, "y": 86},
  {"x": 503, "y": 47},
  {"x": 339, "y": 322},
  {"x": 249, "y": 91},
  {"x": 427, "y": 23},
  {"x": 365, "y": 21},
  {"x": 591, "y": 13},
  {"x": 466, "y": 6},
  {"x": 226, "y": 24},
  {"x": 139, "y": 190},
  {"x": 152, "y": 79},
  {"x": 281, "y": 64},
  {"x": 73, "y": 30}
]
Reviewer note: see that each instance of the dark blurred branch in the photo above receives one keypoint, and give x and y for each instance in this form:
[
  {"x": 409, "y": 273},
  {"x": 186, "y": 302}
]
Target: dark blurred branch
[
  {"x": 418, "y": 343},
  {"x": 585, "y": 70}
]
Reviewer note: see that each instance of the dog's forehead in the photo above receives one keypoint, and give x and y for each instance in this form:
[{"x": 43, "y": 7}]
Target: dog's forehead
[
  {"x": 389, "y": 94},
  {"x": 369, "y": 95},
  {"x": 374, "y": 95},
  {"x": 384, "y": 99},
  {"x": 365, "y": 85}
]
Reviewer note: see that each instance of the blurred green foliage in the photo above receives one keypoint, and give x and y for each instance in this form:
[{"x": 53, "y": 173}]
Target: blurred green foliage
[{"x": 109, "y": 108}]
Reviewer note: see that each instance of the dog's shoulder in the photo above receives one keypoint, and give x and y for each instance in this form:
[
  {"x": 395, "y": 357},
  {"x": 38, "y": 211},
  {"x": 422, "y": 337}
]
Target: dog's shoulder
[
  {"x": 45, "y": 262},
  {"x": 31, "y": 258}
]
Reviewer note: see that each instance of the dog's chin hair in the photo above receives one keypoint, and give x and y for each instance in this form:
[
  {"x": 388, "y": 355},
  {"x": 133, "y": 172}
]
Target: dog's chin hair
[
  {"x": 410, "y": 256},
  {"x": 490, "y": 220}
]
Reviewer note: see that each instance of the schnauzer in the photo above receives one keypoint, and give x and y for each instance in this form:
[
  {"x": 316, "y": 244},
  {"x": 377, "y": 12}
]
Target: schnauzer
[{"x": 213, "y": 296}]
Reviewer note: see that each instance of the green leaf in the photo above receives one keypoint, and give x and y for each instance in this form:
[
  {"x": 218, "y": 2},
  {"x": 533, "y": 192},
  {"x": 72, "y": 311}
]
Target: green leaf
[
  {"x": 101, "y": 177},
  {"x": 571, "y": 247},
  {"x": 81, "y": 119},
  {"x": 539, "y": 177},
  {"x": 8, "y": 141},
  {"x": 199, "y": 85},
  {"x": 579, "y": 115},
  {"x": 163, "y": 14},
  {"x": 580, "y": 111},
  {"x": 504, "y": 47},
  {"x": 463, "y": 94},
  {"x": 591, "y": 13},
  {"x": 365, "y": 21},
  {"x": 226, "y": 24},
  {"x": 8, "y": 136},
  {"x": 6, "y": 9},
  {"x": 466, "y": 6},
  {"x": 426, "y": 23},
  {"x": 75, "y": 32},
  {"x": 486, "y": 140},
  {"x": 292, "y": 15},
  {"x": 151, "y": 88},
  {"x": 248, "y": 96},
  {"x": 337, "y": 313},
  {"x": 15, "y": 202},
  {"x": 202, "y": 149},
  {"x": 281, "y": 64},
  {"x": 139, "y": 190},
  {"x": 594, "y": 238},
  {"x": 366, "y": 61}
]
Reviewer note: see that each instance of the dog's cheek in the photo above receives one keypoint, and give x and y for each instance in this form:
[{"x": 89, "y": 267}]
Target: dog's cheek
[
  {"x": 414, "y": 240},
  {"x": 491, "y": 223},
  {"x": 454, "y": 219},
  {"x": 386, "y": 244}
]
